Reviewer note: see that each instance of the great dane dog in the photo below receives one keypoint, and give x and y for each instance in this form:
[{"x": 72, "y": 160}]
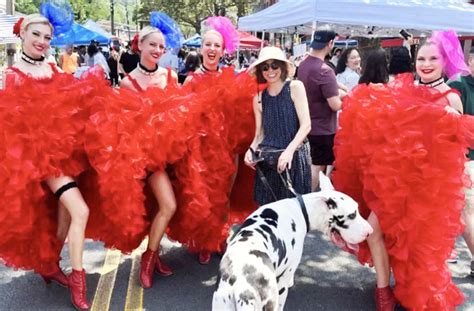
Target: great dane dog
[{"x": 259, "y": 264}]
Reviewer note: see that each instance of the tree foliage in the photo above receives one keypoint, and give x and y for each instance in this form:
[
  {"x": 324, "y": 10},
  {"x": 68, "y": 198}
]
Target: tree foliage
[
  {"x": 193, "y": 12},
  {"x": 83, "y": 9},
  {"x": 188, "y": 13},
  {"x": 27, "y": 6}
]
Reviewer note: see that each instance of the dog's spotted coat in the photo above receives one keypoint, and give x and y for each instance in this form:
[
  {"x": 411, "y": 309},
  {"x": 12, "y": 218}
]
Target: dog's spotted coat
[{"x": 261, "y": 259}]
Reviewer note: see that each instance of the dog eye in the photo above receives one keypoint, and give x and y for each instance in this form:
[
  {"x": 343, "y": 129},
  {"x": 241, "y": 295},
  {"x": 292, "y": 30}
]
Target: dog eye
[{"x": 352, "y": 216}]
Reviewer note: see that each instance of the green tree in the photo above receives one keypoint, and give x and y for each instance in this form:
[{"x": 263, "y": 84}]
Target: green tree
[
  {"x": 83, "y": 9},
  {"x": 27, "y": 6},
  {"x": 193, "y": 12},
  {"x": 188, "y": 13}
]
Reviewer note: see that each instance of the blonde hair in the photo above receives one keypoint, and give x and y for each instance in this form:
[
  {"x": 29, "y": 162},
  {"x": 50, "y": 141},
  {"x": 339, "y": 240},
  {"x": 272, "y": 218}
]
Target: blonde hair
[
  {"x": 213, "y": 31},
  {"x": 35, "y": 19},
  {"x": 146, "y": 31}
]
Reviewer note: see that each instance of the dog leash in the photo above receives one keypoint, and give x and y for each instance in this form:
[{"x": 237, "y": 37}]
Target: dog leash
[
  {"x": 262, "y": 177},
  {"x": 288, "y": 184}
]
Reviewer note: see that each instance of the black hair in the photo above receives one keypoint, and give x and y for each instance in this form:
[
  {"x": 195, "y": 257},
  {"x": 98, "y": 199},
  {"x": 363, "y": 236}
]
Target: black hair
[
  {"x": 400, "y": 61},
  {"x": 92, "y": 49},
  {"x": 335, "y": 50},
  {"x": 341, "y": 63},
  {"x": 375, "y": 69},
  {"x": 281, "y": 64},
  {"x": 192, "y": 62},
  {"x": 182, "y": 53}
]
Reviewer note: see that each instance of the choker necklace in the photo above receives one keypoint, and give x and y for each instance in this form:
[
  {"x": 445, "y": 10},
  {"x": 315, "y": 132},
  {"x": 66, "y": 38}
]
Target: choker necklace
[
  {"x": 145, "y": 71},
  {"x": 434, "y": 83},
  {"x": 205, "y": 69},
  {"x": 31, "y": 60}
]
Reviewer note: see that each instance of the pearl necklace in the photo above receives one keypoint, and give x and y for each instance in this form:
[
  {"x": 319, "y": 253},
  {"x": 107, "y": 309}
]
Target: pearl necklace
[
  {"x": 434, "y": 83},
  {"x": 32, "y": 61},
  {"x": 145, "y": 71}
]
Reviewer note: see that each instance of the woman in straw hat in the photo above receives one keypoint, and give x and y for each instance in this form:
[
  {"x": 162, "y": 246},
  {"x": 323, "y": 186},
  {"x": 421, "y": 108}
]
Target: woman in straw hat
[{"x": 282, "y": 122}]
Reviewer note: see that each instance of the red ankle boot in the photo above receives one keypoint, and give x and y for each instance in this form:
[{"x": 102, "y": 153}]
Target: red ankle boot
[
  {"x": 146, "y": 268},
  {"x": 384, "y": 299},
  {"x": 161, "y": 268},
  {"x": 77, "y": 287},
  {"x": 204, "y": 257},
  {"x": 57, "y": 276}
]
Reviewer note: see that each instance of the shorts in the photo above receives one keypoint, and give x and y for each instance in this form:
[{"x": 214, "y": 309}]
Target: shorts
[
  {"x": 469, "y": 192},
  {"x": 321, "y": 149}
]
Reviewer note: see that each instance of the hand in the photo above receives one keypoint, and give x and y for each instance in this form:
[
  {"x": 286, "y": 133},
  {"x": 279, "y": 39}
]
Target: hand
[
  {"x": 284, "y": 161},
  {"x": 342, "y": 87},
  {"x": 451, "y": 110},
  {"x": 249, "y": 159}
]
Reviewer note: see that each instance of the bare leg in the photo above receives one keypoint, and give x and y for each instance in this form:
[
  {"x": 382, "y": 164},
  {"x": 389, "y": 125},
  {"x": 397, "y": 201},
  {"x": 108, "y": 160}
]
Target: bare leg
[
  {"x": 379, "y": 253},
  {"x": 64, "y": 221},
  {"x": 329, "y": 170},
  {"x": 163, "y": 191},
  {"x": 234, "y": 176},
  {"x": 468, "y": 212},
  {"x": 315, "y": 169},
  {"x": 468, "y": 217},
  {"x": 77, "y": 208}
]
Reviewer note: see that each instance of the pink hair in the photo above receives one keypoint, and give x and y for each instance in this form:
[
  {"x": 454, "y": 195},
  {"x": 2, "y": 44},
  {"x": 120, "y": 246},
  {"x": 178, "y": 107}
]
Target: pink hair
[
  {"x": 224, "y": 26},
  {"x": 450, "y": 48}
]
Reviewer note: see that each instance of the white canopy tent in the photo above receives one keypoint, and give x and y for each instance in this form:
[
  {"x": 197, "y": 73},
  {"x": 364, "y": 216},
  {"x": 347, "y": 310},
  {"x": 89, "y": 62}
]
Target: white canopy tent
[{"x": 299, "y": 15}]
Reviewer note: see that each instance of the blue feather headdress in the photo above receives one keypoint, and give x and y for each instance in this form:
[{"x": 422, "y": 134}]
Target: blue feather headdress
[
  {"x": 60, "y": 15},
  {"x": 169, "y": 28}
]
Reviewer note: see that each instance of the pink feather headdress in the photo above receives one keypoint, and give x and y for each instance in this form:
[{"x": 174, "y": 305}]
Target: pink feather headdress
[
  {"x": 450, "y": 48},
  {"x": 224, "y": 26}
]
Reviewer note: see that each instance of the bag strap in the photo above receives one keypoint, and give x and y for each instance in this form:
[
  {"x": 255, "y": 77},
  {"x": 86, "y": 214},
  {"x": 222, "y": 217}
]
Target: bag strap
[
  {"x": 264, "y": 180},
  {"x": 262, "y": 177}
]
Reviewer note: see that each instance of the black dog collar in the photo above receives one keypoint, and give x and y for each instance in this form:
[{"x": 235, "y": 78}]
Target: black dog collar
[{"x": 304, "y": 211}]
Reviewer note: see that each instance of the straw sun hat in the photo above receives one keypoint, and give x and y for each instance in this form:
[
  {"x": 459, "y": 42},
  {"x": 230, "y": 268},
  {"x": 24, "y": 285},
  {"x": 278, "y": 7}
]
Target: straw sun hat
[{"x": 274, "y": 53}]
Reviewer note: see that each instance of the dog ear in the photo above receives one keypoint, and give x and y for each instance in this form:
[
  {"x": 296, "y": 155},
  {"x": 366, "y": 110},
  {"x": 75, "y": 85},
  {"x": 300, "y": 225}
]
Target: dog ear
[
  {"x": 327, "y": 197},
  {"x": 324, "y": 182}
]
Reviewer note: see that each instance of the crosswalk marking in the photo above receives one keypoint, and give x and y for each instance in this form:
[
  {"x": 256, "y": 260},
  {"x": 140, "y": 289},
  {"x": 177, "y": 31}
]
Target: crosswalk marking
[
  {"x": 106, "y": 283},
  {"x": 134, "y": 300}
]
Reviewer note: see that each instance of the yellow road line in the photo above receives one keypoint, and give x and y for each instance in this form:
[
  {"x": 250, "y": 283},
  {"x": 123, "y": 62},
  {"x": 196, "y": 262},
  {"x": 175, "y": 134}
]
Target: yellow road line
[
  {"x": 134, "y": 300},
  {"x": 105, "y": 287}
]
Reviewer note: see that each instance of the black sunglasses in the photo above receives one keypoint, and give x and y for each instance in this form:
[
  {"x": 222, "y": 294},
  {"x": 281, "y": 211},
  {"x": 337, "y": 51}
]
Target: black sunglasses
[{"x": 267, "y": 66}]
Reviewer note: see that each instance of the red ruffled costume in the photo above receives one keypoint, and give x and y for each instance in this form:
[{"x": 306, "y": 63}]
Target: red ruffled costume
[
  {"x": 129, "y": 135},
  {"x": 41, "y": 136},
  {"x": 400, "y": 154},
  {"x": 226, "y": 129},
  {"x": 196, "y": 130}
]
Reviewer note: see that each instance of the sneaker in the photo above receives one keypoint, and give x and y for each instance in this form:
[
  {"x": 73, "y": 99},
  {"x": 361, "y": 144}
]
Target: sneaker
[{"x": 453, "y": 258}]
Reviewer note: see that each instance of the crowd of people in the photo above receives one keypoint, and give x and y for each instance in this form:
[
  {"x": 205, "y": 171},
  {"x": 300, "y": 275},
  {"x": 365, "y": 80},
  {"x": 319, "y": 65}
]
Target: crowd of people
[{"x": 189, "y": 148}]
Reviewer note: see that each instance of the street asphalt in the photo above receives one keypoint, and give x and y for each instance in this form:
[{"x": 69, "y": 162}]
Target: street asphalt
[{"x": 327, "y": 279}]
